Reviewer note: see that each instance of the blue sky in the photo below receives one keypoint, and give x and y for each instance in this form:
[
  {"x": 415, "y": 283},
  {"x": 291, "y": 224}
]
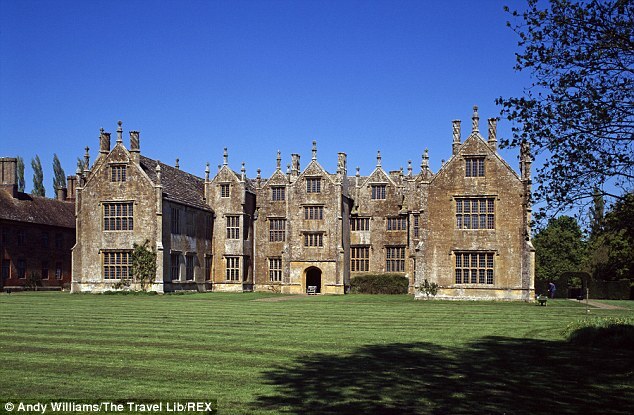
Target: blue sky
[{"x": 254, "y": 76}]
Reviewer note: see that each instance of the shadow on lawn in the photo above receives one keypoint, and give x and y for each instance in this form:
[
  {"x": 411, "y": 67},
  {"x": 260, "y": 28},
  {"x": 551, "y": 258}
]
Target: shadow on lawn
[{"x": 492, "y": 376}]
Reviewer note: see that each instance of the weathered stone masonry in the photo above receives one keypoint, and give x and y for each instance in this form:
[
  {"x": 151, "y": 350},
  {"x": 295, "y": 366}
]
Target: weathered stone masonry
[{"x": 465, "y": 227}]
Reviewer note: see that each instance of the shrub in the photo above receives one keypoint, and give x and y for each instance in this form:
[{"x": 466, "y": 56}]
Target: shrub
[
  {"x": 379, "y": 284},
  {"x": 602, "y": 332}
]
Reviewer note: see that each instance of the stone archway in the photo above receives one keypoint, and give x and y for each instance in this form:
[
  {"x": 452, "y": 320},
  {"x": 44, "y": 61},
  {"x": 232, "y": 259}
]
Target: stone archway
[{"x": 313, "y": 278}]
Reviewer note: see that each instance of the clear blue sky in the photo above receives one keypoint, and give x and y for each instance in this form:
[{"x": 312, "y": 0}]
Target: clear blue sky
[{"x": 254, "y": 76}]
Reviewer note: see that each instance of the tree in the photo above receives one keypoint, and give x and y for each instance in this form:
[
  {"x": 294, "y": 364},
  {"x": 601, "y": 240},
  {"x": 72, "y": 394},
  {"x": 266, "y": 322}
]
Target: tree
[
  {"x": 143, "y": 264},
  {"x": 20, "y": 174},
  {"x": 597, "y": 214},
  {"x": 59, "y": 177},
  {"x": 578, "y": 109},
  {"x": 38, "y": 177},
  {"x": 611, "y": 251},
  {"x": 559, "y": 248}
]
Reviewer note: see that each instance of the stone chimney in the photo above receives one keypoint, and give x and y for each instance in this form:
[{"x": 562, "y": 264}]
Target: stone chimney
[
  {"x": 456, "y": 136},
  {"x": 295, "y": 169},
  {"x": 9, "y": 175},
  {"x": 493, "y": 140},
  {"x": 342, "y": 168},
  {"x": 71, "y": 186},
  {"x": 61, "y": 193},
  {"x": 135, "y": 146},
  {"x": 104, "y": 142}
]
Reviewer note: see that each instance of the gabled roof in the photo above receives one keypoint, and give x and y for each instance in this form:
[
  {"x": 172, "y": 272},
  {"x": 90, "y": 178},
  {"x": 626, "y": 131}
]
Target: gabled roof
[
  {"x": 475, "y": 135},
  {"x": 374, "y": 177},
  {"x": 36, "y": 209},
  {"x": 315, "y": 166},
  {"x": 178, "y": 185}
]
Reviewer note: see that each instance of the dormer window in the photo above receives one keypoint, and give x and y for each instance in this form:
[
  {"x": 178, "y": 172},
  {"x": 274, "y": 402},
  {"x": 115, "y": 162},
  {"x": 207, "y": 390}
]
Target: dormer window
[
  {"x": 474, "y": 167},
  {"x": 378, "y": 191},
  {"x": 118, "y": 173},
  {"x": 313, "y": 185}
]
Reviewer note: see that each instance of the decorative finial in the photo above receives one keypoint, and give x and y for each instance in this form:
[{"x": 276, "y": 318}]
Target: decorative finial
[
  {"x": 400, "y": 171},
  {"x": 409, "y": 167},
  {"x": 358, "y": 171},
  {"x": 207, "y": 171},
  {"x": 475, "y": 119},
  {"x": 225, "y": 157},
  {"x": 425, "y": 162},
  {"x": 158, "y": 171},
  {"x": 78, "y": 171},
  {"x": 378, "y": 158},
  {"x": 279, "y": 159},
  {"x": 288, "y": 169},
  {"x": 87, "y": 158},
  {"x": 314, "y": 150},
  {"x": 243, "y": 170},
  {"x": 177, "y": 165},
  {"x": 119, "y": 132},
  {"x": 259, "y": 174}
]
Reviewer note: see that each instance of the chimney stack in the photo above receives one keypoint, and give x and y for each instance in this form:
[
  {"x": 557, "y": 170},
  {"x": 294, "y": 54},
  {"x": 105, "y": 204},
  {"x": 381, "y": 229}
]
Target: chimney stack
[
  {"x": 456, "y": 136},
  {"x": 135, "y": 146},
  {"x": 104, "y": 142},
  {"x": 295, "y": 165},
  {"x": 61, "y": 193},
  {"x": 341, "y": 164},
  {"x": 71, "y": 185},
  {"x": 9, "y": 175}
]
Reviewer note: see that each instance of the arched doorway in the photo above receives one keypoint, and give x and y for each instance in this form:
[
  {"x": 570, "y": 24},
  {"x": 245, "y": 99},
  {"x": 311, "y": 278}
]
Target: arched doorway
[{"x": 313, "y": 279}]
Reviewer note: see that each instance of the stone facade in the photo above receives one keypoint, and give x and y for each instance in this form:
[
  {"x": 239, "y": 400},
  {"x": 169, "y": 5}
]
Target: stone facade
[{"x": 465, "y": 227}]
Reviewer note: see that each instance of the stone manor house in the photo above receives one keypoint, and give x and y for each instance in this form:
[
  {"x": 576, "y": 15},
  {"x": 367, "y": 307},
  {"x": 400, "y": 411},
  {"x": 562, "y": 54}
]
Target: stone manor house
[{"x": 465, "y": 227}]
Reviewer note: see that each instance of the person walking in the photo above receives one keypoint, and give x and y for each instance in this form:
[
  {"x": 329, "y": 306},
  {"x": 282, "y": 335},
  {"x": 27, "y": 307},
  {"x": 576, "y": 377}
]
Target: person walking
[{"x": 551, "y": 289}]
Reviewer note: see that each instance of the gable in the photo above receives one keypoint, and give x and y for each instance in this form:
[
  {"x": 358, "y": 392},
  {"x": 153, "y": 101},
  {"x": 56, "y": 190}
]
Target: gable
[
  {"x": 314, "y": 169},
  {"x": 378, "y": 176}
]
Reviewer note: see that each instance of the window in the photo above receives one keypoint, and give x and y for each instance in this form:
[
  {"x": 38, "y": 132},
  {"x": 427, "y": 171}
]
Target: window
[
  {"x": 378, "y": 191},
  {"x": 44, "y": 270},
  {"x": 313, "y": 212},
  {"x": 116, "y": 265},
  {"x": 59, "y": 241},
  {"x": 233, "y": 227},
  {"x": 278, "y": 193},
  {"x": 208, "y": 261},
  {"x": 395, "y": 259},
  {"x": 233, "y": 268},
  {"x": 175, "y": 267},
  {"x": 313, "y": 185},
  {"x": 224, "y": 190},
  {"x": 474, "y": 267},
  {"x": 474, "y": 167},
  {"x": 118, "y": 173},
  {"x": 397, "y": 224},
  {"x": 360, "y": 258},
  {"x": 416, "y": 226},
  {"x": 359, "y": 224},
  {"x": 209, "y": 226},
  {"x": 189, "y": 216},
  {"x": 315, "y": 239},
  {"x": 275, "y": 269},
  {"x": 21, "y": 237},
  {"x": 6, "y": 269},
  {"x": 21, "y": 268},
  {"x": 189, "y": 267},
  {"x": 58, "y": 270},
  {"x": 176, "y": 221},
  {"x": 45, "y": 239},
  {"x": 475, "y": 213},
  {"x": 277, "y": 230},
  {"x": 117, "y": 217}
]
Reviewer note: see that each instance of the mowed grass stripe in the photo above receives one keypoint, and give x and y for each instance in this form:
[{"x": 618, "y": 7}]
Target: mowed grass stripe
[{"x": 233, "y": 346}]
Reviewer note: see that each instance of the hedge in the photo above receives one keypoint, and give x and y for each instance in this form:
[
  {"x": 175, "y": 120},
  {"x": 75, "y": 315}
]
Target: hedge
[{"x": 379, "y": 284}]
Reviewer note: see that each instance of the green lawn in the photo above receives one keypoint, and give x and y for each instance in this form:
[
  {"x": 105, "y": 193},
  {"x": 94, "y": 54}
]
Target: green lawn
[{"x": 353, "y": 354}]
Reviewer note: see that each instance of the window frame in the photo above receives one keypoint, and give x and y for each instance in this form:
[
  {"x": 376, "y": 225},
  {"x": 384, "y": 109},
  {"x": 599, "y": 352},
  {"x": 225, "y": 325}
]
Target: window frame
[
  {"x": 117, "y": 216},
  {"x": 313, "y": 184},
  {"x": 378, "y": 191},
  {"x": 232, "y": 223},
  {"x": 275, "y": 269},
  {"x": 278, "y": 193},
  {"x": 395, "y": 258},
  {"x": 360, "y": 258},
  {"x": 478, "y": 267},
  {"x": 277, "y": 229}
]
